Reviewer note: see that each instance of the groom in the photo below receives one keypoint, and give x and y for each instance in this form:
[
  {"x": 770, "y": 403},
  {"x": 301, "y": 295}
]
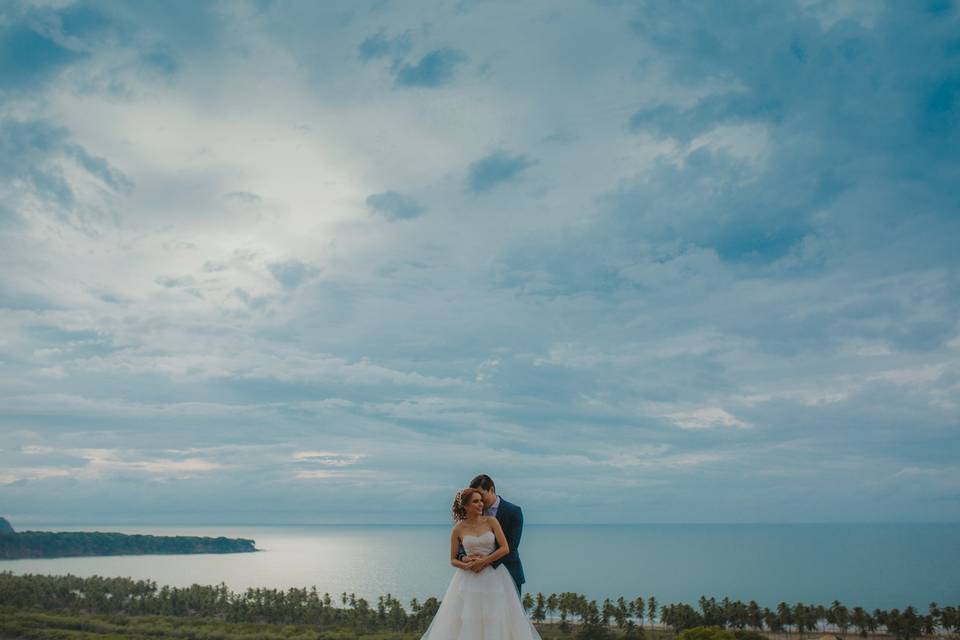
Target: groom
[{"x": 510, "y": 517}]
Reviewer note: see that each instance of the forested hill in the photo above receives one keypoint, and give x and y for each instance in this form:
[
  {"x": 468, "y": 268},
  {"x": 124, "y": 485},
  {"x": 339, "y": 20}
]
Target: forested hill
[{"x": 49, "y": 544}]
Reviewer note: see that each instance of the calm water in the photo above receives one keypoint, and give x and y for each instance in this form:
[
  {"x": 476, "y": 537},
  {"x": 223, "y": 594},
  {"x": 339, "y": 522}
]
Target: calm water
[{"x": 869, "y": 565}]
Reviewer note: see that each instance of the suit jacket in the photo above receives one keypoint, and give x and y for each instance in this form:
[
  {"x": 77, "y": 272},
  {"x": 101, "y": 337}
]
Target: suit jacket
[{"x": 510, "y": 517}]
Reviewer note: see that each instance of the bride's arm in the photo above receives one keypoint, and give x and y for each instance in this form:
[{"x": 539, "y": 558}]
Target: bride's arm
[{"x": 455, "y": 548}]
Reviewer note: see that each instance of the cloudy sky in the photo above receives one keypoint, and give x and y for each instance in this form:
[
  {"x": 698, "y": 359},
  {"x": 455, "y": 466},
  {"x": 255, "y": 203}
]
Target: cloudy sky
[{"x": 323, "y": 262}]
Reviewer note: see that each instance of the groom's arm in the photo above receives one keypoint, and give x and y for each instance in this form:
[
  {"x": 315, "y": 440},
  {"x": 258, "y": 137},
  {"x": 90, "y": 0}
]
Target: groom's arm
[
  {"x": 512, "y": 532},
  {"x": 516, "y": 530}
]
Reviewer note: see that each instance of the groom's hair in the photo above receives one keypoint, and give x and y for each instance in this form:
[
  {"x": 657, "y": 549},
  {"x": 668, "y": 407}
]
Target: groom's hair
[{"x": 483, "y": 481}]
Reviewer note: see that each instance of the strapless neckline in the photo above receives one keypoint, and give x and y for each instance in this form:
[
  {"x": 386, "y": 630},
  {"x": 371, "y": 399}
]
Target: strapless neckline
[{"x": 467, "y": 535}]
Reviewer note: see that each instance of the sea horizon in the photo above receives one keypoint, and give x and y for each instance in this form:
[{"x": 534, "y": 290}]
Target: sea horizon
[
  {"x": 874, "y": 565},
  {"x": 361, "y": 523}
]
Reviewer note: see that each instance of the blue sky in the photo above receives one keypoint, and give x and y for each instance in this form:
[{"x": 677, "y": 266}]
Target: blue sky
[{"x": 323, "y": 262}]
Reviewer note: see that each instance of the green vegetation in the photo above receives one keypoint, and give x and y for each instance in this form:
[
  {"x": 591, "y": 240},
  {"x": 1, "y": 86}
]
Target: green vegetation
[
  {"x": 37, "y": 625},
  {"x": 49, "y": 544},
  {"x": 124, "y": 596},
  {"x": 41, "y": 607},
  {"x": 5, "y": 528}
]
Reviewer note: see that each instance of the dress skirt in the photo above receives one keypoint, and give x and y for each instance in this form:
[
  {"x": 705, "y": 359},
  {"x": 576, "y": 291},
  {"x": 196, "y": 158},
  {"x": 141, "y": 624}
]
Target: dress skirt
[{"x": 481, "y": 606}]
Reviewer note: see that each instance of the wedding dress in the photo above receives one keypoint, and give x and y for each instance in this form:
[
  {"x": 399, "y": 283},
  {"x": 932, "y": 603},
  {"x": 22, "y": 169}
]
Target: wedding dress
[{"x": 481, "y": 606}]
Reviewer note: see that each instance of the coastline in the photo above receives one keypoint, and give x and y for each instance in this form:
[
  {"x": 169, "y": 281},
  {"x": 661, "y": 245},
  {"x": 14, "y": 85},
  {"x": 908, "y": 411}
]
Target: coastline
[
  {"x": 36, "y": 545},
  {"x": 875, "y": 567}
]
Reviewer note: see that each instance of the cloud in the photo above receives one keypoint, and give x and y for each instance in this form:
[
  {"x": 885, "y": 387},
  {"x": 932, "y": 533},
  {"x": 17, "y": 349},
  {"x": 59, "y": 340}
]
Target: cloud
[
  {"x": 435, "y": 69},
  {"x": 735, "y": 260},
  {"x": 28, "y": 58},
  {"x": 495, "y": 169},
  {"x": 705, "y": 418},
  {"x": 93, "y": 464},
  {"x": 109, "y": 462},
  {"x": 243, "y": 197},
  {"x": 160, "y": 61},
  {"x": 79, "y": 20},
  {"x": 45, "y": 171},
  {"x": 64, "y": 404},
  {"x": 22, "y": 474},
  {"x": 171, "y": 282},
  {"x": 291, "y": 273},
  {"x": 28, "y": 151},
  {"x": 100, "y": 168},
  {"x": 328, "y": 459},
  {"x": 320, "y": 475},
  {"x": 379, "y": 45},
  {"x": 394, "y": 206},
  {"x": 708, "y": 113}
]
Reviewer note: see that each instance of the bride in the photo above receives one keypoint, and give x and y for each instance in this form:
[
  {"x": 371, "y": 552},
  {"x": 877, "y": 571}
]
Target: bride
[{"x": 481, "y": 602}]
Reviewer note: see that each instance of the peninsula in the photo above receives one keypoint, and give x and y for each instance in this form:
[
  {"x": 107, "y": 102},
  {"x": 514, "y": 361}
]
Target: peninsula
[{"x": 65, "y": 544}]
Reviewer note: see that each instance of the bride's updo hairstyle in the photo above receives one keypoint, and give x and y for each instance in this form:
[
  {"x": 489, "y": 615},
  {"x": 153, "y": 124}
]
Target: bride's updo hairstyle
[{"x": 460, "y": 502}]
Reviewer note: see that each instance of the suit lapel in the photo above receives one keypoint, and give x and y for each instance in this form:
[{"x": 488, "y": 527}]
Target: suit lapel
[{"x": 502, "y": 513}]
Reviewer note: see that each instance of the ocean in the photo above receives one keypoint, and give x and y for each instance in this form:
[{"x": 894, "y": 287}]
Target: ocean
[{"x": 869, "y": 565}]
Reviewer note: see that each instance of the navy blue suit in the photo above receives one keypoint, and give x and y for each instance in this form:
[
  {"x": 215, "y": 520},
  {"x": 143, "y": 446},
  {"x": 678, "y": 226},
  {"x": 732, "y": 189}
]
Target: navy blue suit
[{"x": 510, "y": 517}]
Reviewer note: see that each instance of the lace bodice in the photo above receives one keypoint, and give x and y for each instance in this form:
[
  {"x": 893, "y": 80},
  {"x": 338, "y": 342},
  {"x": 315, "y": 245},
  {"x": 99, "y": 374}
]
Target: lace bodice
[{"x": 482, "y": 544}]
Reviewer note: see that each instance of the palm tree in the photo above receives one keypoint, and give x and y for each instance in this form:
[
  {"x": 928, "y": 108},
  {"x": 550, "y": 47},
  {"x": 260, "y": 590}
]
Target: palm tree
[
  {"x": 771, "y": 620},
  {"x": 754, "y": 615},
  {"x": 879, "y": 619},
  {"x": 911, "y": 625},
  {"x": 726, "y": 613},
  {"x": 563, "y": 604},
  {"x": 652, "y": 611},
  {"x": 622, "y": 612},
  {"x": 801, "y": 618},
  {"x": 934, "y": 611},
  {"x": 841, "y": 616},
  {"x": 821, "y": 616},
  {"x": 540, "y": 610},
  {"x": 639, "y": 608},
  {"x": 593, "y": 627},
  {"x": 950, "y": 619},
  {"x": 861, "y": 620},
  {"x": 705, "y": 610},
  {"x": 784, "y": 616},
  {"x": 607, "y": 611},
  {"x": 739, "y": 614},
  {"x": 552, "y": 603},
  {"x": 567, "y": 605}
]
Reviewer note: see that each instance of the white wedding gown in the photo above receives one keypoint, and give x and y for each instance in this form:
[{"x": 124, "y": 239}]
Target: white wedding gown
[{"x": 481, "y": 606}]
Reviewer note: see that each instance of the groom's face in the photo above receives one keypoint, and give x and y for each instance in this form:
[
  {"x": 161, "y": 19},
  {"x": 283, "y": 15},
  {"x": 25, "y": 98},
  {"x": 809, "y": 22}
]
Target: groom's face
[{"x": 489, "y": 497}]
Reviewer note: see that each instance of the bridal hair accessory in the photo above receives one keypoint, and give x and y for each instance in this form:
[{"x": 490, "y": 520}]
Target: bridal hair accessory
[
  {"x": 459, "y": 513},
  {"x": 459, "y": 508}
]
